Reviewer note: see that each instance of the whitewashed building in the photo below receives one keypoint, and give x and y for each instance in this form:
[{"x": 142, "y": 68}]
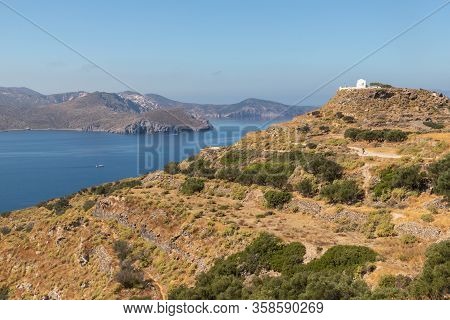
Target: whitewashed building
[{"x": 360, "y": 84}]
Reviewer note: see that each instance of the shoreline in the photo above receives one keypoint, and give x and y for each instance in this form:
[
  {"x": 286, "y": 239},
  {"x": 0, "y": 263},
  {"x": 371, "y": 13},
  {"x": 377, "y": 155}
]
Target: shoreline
[{"x": 103, "y": 131}]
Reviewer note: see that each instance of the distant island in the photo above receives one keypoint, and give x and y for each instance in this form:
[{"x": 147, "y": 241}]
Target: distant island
[{"x": 126, "y": 112}]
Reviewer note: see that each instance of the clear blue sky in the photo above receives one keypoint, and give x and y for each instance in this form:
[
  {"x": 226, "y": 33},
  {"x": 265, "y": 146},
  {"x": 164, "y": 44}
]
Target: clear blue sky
[{"x": 223, "y": 51}]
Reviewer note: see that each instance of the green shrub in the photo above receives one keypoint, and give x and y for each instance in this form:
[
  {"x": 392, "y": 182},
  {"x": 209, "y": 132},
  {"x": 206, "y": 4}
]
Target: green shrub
[
  {"x": 343, "y": 257},
  {"x": 27, "y": 227},
  {"x": 349, "y": 119},
  {"x": 329, "y": 285},
  {"x": 228, "y": 173},
  {"x": 427, "y": 217},
  {"x": 318, "y": 165},
  {"x": 392, "y": 287},
  {"x": 409, "y": 178},
  {"x": 343, "y": 191},
  {"x": 408, "y": 239},
  {"x": 375, "y": 135},
  {"x": 381, "y": 85},
  {"x": 311, "y": 145},
  {"x": 304, "y": 128},
  {"x": 130, "y": 277},
  {"x": 288, "y": 257},
  {"x": 108, "y": 188},
  {"x": 192, "y": 185},
  {"x": 439, "y": 173},
  {"x": 238, "y": 156},
  {"x": 307, "y": 188},
  {"x": 58, "y": 206},
  {"x": 395, "y": 135},
  {"x": 88, "y": 204},
  {"x": 276, "y": 199},
  {"x": 434, "y": 282},
  {"x": 269, "y": 173},
  {"x": 433, "y": 125},
  {"x": 172, "y": 168},
  {"x": 339, "y": 115},
  {"x": 379, "y": 224},
  {"x": 5, "y": 230},
  {"x": 200, "y": 168},
  {"x": 122, "y": 249},
  {"x": 4, "y": 293}
]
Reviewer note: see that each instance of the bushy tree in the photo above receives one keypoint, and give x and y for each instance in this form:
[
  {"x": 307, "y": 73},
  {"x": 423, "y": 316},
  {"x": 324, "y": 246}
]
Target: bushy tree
[
  {"x": 434, "y": 282},
  {"x": 342, "y": 191},
  {"x": 318, "y": 165},
  {"x": 192, "y": 185},
  {"x": 130, "y": 277},
  {"x": 439, "y": 173},
  {"x": 306, "y": 187},
  {"x": 276, "y": 199},
  {"x": 172, "y": 168},
  {"x": 375, "y": 135},
  {"x": 410, "y": 178},
  {"x": 122, "y": 249}
]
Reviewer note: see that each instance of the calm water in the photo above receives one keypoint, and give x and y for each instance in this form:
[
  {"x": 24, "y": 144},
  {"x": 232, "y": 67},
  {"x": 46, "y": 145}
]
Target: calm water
[{"x": 39, "y": 165}]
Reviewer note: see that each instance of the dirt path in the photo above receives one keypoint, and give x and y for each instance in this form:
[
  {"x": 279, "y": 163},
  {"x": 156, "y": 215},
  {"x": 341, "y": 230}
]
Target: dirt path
[
  {"x": 367, "y": 176},
  {"x": 367, "y": 153}
]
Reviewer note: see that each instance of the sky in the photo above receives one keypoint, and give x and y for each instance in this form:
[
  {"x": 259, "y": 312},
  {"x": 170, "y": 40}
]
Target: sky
[{"x": 223, "y": 51}]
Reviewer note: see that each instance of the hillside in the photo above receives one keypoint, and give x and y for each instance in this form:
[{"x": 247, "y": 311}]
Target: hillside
[
  {"x": 335, "y": 204},
  {"x": 99, "y": 111}
]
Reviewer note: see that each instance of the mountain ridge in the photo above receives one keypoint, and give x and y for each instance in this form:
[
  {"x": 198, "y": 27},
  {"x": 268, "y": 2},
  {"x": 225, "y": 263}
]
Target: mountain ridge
[{"x": 23, "y": 108}]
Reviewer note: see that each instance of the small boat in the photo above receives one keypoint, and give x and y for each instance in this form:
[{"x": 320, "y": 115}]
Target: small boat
[{"x": 99, "y": 165}]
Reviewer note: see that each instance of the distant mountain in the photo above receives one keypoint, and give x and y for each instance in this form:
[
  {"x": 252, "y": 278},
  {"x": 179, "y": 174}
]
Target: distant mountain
[
  {"x": 24, "y": 97},
  {"x": 22, "y": 108},
  {"x": 254, "y": 109},
  {"x": 124, "y": 112}
]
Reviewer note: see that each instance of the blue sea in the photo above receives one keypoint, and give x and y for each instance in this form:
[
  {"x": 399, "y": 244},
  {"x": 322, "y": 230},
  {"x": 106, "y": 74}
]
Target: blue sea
[{"x": 40, "y": 165}]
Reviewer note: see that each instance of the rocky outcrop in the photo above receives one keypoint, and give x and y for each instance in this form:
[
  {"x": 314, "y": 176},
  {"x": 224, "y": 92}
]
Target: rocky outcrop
[{"x": 390, "y": 107}]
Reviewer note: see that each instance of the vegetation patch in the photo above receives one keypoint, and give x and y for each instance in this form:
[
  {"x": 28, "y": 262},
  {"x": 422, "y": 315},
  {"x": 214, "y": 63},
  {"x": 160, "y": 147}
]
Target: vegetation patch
[
  {"x": 376, "y": 135},
  {"x": 342, "y": 191},
  {"x": 439, "y": 173},
  {"x": 88, "y": 204},
  {"x": 5, "y": 230},
  {"x": 200, "y": 168},
  {"x": 433, "y": 125},
  {"x": 276, "y": 199},
  {"x": 379, "y": 224},
  {"x": 245, "y": 275},
  {"x": 307, "y": 188},
  {"x": 322, "y": 167},
  {"x": 410, "y": 178},
  {"x": 108, "y": 188},
  {"x": 172, "y": 168},
  {"x": 4, "y": 293},
  {"x": 192, "y": 185},
  {"x": 58, "y": 206}
]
